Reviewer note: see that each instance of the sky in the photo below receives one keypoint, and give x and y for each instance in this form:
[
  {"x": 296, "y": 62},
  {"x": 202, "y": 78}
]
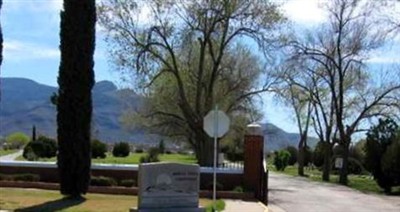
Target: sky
[{"x": 31, "y": 40}]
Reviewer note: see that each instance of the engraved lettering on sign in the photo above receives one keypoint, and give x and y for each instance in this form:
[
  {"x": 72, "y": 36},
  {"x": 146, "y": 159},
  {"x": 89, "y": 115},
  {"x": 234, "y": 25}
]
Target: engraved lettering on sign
[{"x": 168, "y": 185}]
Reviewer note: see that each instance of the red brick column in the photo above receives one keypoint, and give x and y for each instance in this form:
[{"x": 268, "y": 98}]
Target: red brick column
[{"x": 253, "y": 158}]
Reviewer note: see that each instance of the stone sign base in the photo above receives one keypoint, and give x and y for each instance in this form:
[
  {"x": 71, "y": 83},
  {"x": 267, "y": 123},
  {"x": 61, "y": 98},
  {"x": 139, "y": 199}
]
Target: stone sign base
[
  {"x": 167, "y": 210},
  {"x": 168, "y": 187}
]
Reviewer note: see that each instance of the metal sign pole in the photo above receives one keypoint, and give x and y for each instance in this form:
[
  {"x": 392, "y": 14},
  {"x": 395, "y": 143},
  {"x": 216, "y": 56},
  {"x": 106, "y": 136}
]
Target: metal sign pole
[
  {"x": 215, "y": 156},
  {"x": 215, "y": 124}
]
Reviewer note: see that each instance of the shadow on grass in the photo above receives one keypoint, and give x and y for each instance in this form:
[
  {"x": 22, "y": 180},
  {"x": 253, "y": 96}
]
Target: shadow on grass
[{"x": 54, "y": 205}]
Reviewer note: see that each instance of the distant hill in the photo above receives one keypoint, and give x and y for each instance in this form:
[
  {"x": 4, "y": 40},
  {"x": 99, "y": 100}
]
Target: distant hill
[
  {"x": 25, "y": 103},
  {"x": 275, "y": 138}
]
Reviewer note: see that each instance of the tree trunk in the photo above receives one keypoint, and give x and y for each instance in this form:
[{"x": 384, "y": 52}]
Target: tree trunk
[
  {"x": 344, "y": 171},
  {"x": 205, "y": 149},
  {"x": 300, "y": 157},
  {"x": 327, "y": 162}
]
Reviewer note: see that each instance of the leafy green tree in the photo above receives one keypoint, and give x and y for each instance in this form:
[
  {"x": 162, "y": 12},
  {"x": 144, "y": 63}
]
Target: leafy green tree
[
  {"x": 318, "y": 155},
  {"x": 74, "y": 102},
  {"x": 42, "y": 147},
  {"x": 161, "y": 147},
  {"x": 99, "y": 149},
  {"x": 281, "y": 160},
  {"x": 189, "y": 56},
  {"x": 308, "y": 155},
  {"x": 17, "y": 140},
  {"x": 333, "y": 52},
  {"x": 308, "y": 96},
  {"x": 358, "y": 151},
  {"x": 293, "y": 155},
  {"x": 382, "y": 153},
  {"x": 49, "y": 146},
  {"x": 355, "y": 165},
  {"x": 121, "y": 149},
  {"x": 356, "y": 159},
  {"x": 391, "y": 163},
  {"x": 29, "y": 154},
  {"x": 294, "y": 91},
  {"x": 151, "y": 156}
]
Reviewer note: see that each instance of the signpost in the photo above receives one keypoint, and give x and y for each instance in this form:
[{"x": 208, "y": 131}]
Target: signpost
[{"x": 216, "y": 124}]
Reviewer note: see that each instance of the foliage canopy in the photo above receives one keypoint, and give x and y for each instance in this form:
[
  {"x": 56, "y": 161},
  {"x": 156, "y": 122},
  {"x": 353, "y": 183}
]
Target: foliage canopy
[{"x": 188, "y": 56}]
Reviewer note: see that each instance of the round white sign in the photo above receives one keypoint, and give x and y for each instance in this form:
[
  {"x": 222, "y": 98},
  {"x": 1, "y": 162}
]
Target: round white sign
[{"x": 216, "y": 123}]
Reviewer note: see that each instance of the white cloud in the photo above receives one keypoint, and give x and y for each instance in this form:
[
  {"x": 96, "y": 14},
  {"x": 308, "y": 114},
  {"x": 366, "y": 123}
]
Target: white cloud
[
  {"x": 304, "y": 12},
  {"x": 384, "y": 59},
  {"x": 387, "y": 54},
  {"x": 17, "y": 51}
]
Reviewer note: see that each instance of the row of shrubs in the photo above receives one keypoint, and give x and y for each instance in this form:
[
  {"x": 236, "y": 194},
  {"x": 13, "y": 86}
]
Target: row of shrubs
[
  {"x": 99, "y": 149},
  {"x": 109, "y": 181},
  {"x": 44, "y": 147},
  {"x": 94, "y": 181},
  {"x": 122, "y": 149},
  {"x": 288, "y": 157},
  {"x": 99, "y": 181},
  {"x": 20, "y": 177}
]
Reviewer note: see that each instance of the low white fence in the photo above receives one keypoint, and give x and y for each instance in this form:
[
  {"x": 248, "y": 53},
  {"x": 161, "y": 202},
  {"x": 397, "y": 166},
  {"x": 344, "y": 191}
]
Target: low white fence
[{"x": 121, "y": 167}]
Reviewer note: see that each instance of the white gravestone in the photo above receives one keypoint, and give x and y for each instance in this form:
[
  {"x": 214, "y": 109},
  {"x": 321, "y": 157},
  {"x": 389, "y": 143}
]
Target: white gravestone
[{"x": 168, "y": 187}]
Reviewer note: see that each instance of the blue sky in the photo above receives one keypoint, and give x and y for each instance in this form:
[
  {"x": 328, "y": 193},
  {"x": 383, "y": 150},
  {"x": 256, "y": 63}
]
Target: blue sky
[{"x": 31, "y": 40}]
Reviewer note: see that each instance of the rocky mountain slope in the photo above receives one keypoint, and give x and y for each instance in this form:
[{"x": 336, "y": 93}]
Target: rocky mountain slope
[{"x": 25, "y": 103}]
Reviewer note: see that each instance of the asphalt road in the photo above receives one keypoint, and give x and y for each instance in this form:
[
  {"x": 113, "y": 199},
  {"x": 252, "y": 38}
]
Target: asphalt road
[{"x": 287, "y": 193}]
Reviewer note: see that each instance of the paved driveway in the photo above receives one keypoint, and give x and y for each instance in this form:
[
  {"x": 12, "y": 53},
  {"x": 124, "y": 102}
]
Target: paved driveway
[
  {"x": 11, "y": 157},
  {"x": 298, "y": 194}
]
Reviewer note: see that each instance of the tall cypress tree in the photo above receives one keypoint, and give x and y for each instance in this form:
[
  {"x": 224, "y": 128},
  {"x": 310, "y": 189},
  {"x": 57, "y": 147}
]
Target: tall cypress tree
[{"x": 74, "y": 108}]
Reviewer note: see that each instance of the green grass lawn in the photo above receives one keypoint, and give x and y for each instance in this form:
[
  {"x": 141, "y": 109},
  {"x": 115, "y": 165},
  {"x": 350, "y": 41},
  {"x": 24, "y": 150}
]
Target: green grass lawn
[
  {"x": 362, "y": 183},
  {"x": 7, "y": 152},
  {"x": 134, "y": 158},
  {"x": 44, "y": 200}
]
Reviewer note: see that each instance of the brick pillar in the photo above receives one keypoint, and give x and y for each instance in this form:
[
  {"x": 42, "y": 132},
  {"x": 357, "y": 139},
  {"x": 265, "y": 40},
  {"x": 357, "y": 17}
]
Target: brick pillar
[{"x": 253, "y": 158}]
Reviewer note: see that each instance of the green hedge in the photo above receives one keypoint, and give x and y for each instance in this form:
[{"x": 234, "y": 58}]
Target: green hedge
[
  {"x": 121, "y": 149},
  {"x": 20, "y": 177},
  {"x": 102, "y": 181},
  {"x": 99, "y": 149},
  {"x": 43, "y": 147},
  {"x": 127, "y": 183},
  {"x": 151, "y": 156}
]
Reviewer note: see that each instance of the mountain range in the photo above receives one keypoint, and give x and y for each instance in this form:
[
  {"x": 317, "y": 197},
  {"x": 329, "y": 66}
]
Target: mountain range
[{"x": 25, "y": 103}]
